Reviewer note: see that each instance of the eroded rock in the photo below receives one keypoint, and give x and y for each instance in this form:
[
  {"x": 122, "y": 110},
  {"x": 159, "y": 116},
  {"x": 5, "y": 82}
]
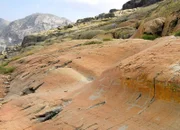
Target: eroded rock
[{"x": 155, "y": 26}]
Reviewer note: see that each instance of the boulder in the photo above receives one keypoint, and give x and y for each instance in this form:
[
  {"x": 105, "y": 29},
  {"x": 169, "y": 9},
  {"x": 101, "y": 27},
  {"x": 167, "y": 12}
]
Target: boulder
[
  {"x": 123, "y": 32},
  {"x": 32, "y": 40},
  {"x": 89, "y": 19},
  {"x": 155, "y": 26}
]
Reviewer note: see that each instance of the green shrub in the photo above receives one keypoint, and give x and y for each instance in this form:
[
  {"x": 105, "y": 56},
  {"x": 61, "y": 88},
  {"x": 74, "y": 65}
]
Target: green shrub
[
  {"x": 177, "y": 33},
  {"x": 149, "y": 37},
  {"x": 92, "y": 42},
  {"x": 5, "y": 63},
  {"x": 107, "y": 39},
  {"x": 6, "y": 70}
]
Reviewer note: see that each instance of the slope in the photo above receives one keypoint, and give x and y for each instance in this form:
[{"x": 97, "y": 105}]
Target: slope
[{"x": 120, "y": 84}]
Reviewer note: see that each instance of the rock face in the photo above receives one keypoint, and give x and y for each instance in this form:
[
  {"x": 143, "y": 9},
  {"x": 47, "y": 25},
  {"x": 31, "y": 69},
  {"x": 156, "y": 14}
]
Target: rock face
[
  {"x": 17, "y": 30},
  {"x": 138, "y": 3},
  {"x": 124, "y": 82}
]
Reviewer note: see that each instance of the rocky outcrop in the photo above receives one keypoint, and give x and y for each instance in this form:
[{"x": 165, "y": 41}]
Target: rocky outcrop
[
  {"x": 17, "y": 30},
  {"x": 105, "y": 15},
  {"x": 138, "y": 3},
  {"x": 85, "y": 20},
  {"x": 100, "y": 16},
  {"x": 123, "y": 33},
  {"x": 155, "y": 26},
  {"x": 35, "y": 39}
]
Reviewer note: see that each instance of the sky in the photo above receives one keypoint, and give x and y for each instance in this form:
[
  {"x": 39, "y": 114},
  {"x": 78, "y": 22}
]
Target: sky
[{"x": 71, "y": 9}]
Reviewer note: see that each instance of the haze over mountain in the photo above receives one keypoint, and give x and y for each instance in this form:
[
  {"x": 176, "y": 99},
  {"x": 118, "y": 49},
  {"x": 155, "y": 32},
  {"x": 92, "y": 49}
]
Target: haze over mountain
[
  {"x": 14, "y": 32},
  {"x": 3, "y": 24}
]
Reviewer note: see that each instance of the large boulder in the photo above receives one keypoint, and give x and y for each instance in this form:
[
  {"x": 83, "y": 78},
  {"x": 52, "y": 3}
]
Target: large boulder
[
  {"x": 123, "y": 32},
  {"x": 138, "y": 3},
  {"x": 155, "y": 26}
]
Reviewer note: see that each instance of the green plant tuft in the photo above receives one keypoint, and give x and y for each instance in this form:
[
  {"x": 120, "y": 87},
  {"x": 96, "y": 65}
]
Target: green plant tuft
[
  {"x": 177, "y": 33},
  {"x": 149, "y": 37},
  {"x": 92, "y": 42},
  {"x": 6, "y": 70},
  {"x": 107, "y": 39}
]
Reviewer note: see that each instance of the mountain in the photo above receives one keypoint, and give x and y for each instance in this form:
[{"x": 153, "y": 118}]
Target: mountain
[
  {"x": 16, "y": 30},
  {"x": 150, "y": 22},
  {"x": 138, "y": 3},
  {"x": 3, "y": 24}
]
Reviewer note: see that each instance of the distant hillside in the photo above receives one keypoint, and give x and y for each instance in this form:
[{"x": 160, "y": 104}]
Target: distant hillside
[
  {"x": 150, "y": 22},
  {"x": 3, "y": 24},
  {"x": 16, "y": 30}
]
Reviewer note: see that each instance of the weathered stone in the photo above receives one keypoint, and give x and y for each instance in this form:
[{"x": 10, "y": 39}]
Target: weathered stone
[{"x": 155, "y": 26}]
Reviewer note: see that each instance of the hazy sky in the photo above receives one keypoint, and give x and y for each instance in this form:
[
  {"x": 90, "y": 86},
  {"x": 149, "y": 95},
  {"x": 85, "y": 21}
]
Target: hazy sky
[{"x": 71, "y": 9}]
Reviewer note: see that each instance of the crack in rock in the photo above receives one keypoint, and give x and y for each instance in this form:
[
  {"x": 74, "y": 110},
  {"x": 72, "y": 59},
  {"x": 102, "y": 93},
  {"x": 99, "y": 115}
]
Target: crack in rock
[
  {"x": 31, "y": 90},
  {"x": 97, "y": 105},
  {"x": 48, "y": 115}
]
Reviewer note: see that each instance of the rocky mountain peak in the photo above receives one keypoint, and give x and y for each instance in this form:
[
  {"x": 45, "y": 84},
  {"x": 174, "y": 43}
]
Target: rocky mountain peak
[{"x": 16, "y": 30}]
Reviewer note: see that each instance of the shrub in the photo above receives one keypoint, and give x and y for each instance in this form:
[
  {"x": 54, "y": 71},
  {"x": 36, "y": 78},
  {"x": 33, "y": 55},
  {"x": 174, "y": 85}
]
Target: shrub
[
  {"x": 149, "y": 37},
  {"x": 68, "y": 26},
  {"x": 107, "y": 39},
  {"x": 177, "y": 33},
  {"x": 92, "y": 42},
  {"x": 113, "y": 10},
  {"x": 104, "y": 15},
  {"x": 5, "y": 63},
  {"x": 6, "y": 70},
  {"x": 85, "y": 20}
]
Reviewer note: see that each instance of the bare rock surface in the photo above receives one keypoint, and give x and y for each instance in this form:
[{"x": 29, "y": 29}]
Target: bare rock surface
[{"x": 135, "y": 85}]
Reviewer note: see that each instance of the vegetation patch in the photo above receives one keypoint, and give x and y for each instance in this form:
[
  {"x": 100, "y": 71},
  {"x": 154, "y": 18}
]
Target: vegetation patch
[
  {"x": 4, "y": 69},
  {"x": 88, "y": 34},
  {"x": 149, "y": 37},
  {"x": 107, "y": 39},
  {"x": 108, "y": 27},
  {"x": 92, "y": 42},
  {"x": 177, "y": 33}
]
